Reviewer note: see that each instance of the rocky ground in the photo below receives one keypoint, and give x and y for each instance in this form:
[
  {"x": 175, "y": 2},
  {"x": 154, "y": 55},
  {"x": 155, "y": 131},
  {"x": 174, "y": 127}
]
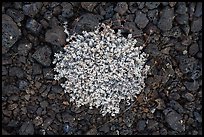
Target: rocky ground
[{"x": 34, "y": 103}]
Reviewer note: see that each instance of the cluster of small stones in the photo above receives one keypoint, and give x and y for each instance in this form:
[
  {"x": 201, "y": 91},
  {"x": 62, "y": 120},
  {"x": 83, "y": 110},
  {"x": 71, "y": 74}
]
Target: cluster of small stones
[{"x": 101, "y": 69}]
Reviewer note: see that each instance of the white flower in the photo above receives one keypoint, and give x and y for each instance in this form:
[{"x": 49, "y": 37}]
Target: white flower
[{"x": 98, "y": 67}]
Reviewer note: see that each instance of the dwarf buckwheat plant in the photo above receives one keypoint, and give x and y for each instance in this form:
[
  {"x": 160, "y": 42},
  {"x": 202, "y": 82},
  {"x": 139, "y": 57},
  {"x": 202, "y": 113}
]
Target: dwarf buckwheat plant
[{"x": 101, "y": 68}]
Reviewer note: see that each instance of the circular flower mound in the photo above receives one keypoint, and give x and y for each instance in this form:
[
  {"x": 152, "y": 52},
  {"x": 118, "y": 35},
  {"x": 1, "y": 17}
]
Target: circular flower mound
[{"x": 101, "y": 69}]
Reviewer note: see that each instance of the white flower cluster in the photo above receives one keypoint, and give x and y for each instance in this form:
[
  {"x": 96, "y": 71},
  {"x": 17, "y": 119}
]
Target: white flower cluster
[{"x": 101, "y": 68}]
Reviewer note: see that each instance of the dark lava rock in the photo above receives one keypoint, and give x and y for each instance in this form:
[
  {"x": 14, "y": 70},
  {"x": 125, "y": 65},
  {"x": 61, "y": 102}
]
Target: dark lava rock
[
  {"x": 10, "y": 31},
  {"x": 105, "y": 128},
  {"x": 55, "y": 107},
  {"x": 39, "y": 111},
  {"x": 66, "y": 128},
  {"x": 163, "y": 131},
  {"x": 192, "y": 86},
  {"x": 193, "y": 49},
  {"x": 4, "y": 70},
  {"x": 12, "y": 106},
  {"x": 174, "y": 96},
  {"x": 153, "y": 15},
  {"x": 18, "y": 5},
  {"x": 198, "y": 117},
  {"x": 164, "y": 3},
  {"x": 32, "y": 108},
  {"x": 67, "y": 10},
  {"x": 27, "y": 128},
  {"x": 33, "y": 26},
  {"x": 129, "y": 17},
  {"x": 166, "y": 50},
  {"x": 187, "y": 64},
  {"x": 196, "y": 24},
  {"x": 141, "y": 20},
  {"x": 42, "y": 55},
  {"x": 185, "y": 28},
  {"x": 23, "y": 84},
  {"x": 116, "y": 19},
  {"x": 7, "y": 112},
  {"x": 176, "y": 106},
  {"x": 132, "y": 7},
  {"x": 121, "y": 7},
  {"x": 53, "y": 22},
  {"x": 160, "y": 104},
  {"x": 109, "y": 11},
  {"x": 101, "y": 10},
  {"x": 17, "y": 15},
  {"x": 16, "y": 71},
  {"x": 57, "y": 10},
  {"x": 194, "y": 132},
  {"x": 174, "y": 32},
  {"x": 27, "y": 97},
  {"x": 166, "y": 19},
  {"x": 38, "y": 121},
  {"x": 152, "y": 124},
  {"x": 152, "y": 5},
  {"x": 92, "y": 131},
  {"x": 141, "y": 5},
  {"x": 37, "y": 69},
  {"x": 57, "y": 49},
  {"x": 182, "y": 18},
  {"x": 67, "y": 118},
  {"x": 199, "y": 55},
  {"x": 6, "y": 60},
  {"x": 23, "y": 48},
  {"x": 198, "y": 11},
  {"x": 23, "y": 59},
  {"x": 200, "y": 44},
  {"x": 133, "y": 28},
  {"x": 174, "y": 120},
  {"x": 186, "y": 41},
  {"x": 10, "y": 89},
  {"x": 48, "y": 15},
  {"x": 87, "y": 22},
  {"x": 44, "y": 104},
  {"x": 152, "y": 49},
  {"x": 128, "y": 120},
  {"x": 13, "y": 123},
  {"x": 191, "y": 9},
  {"x": 88, "y": 5},
  {"x": 151, "y": 29},
  {"x": 141, "y": 125},
  {"x": 48, "y": 73},
  {"x": 47, "y": 122},
  {"x": 44, "y": 89},
  {"x": 56, "y": 89},
  {"x": 125, "y": 131},
  {"x": 197, "y": 73},
  {"x": 32, "y": 9},
  {"x": 54, "y": 4},
  {"x": 189, "y": 96},
  {"x": 56, "y": 36},
  {"x": 181, "y": 8}
]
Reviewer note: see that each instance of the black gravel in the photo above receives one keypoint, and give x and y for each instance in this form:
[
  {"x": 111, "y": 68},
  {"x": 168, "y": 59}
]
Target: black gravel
[
  {"x": 33, "y": 103},
  {"x": 55, "y": 36},
  {"x": 33, "y": 26},
  {"x": 10, "y": 31},
  {"x": 166, "y": 18},
  {"x": 141, "y": 20},
  {"x": 42, "y": 55}
]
